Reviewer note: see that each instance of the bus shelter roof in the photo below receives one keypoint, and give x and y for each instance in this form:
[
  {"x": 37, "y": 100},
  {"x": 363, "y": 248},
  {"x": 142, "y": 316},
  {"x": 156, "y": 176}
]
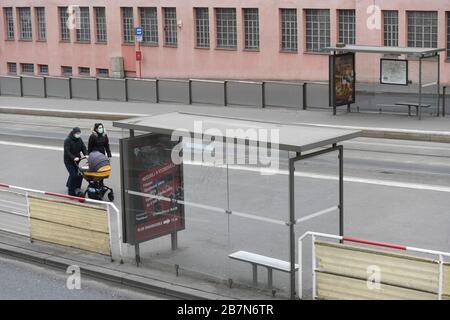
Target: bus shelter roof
[
  {"x": 386, "y": 50},
  {"x": 296, "y": 138}
]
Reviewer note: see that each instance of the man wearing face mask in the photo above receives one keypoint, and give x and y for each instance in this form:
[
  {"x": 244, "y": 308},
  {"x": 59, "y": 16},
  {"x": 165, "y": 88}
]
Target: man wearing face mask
[
  {"x": 98, "y": 141},
  {"x": 74, "y": 149}
]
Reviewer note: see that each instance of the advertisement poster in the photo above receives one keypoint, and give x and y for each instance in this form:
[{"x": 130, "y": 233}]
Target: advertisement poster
[
  {"x": 149, "y": 170},
  {"x": 394, "y": 71},
  {"x": 343, "y": 79}
]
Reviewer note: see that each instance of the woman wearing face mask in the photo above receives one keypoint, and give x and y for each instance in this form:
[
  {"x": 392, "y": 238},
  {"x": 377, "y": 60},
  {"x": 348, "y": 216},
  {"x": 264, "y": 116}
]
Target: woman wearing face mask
[
  {"x": 74, "y": 149},
  {"x": 98, "y": 141}
]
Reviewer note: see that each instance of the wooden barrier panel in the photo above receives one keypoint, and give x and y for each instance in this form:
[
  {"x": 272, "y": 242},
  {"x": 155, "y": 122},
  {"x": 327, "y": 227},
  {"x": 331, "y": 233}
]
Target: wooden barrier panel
[
  {"x": 343, "y": 271},
  {"x": 69, "y": 223}
]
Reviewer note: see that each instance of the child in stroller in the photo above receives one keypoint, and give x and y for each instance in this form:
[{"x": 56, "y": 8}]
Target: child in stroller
[{"x": 94, "y": 170}]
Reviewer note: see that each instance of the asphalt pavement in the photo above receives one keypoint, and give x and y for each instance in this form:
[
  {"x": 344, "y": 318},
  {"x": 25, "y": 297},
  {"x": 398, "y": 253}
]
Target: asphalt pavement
[{"x": 395, "y": 191}]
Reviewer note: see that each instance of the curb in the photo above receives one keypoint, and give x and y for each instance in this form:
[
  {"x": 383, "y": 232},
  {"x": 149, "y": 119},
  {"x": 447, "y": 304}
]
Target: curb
[
  {"x": 367, "y": 132},
  {"x": 110, "y": 116},
  {"x": 105, "y": 274}
]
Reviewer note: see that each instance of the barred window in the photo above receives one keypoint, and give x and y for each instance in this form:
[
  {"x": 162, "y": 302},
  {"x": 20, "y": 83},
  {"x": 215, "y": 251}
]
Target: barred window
[
  {"x": 63, "y": 19},
  {"x": 170, "y": 26},
  {"x": 390, "y": 28},
  {"x": 27, "y": 68},
  {"x": 25, "y": 24},
  {"x": 202, "y": 27},
  {"x": 40, "y": 18},
  {"x": 149, "y": 24},
  {"x": 226, "y": 28},
  {"x": 84, "y": 71},
  {"x": 9, "y": 18},
  {"x": 289, "y": 40},
  {"x": 84, "y": 25},
  {"x": 317, "y": 29},
  {"x": 448, "y": 35},
  {"x": 43, "y": 69},
  {"x": 66, "y": 71},
  {"x": 251, "y": 28},
  {"x": 100, "y": 24},
  {"x": 128, "y": 25},
  {"x": 422, "y": 29},
  {"x": 347, "y": 26},
  {"x": 104, "y": 73},
  {"x": 12, "y": 68}
]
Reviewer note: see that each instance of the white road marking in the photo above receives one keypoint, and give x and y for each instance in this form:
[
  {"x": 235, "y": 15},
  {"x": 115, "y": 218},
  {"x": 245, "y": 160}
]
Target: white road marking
[{"x": 378, "y": 182}]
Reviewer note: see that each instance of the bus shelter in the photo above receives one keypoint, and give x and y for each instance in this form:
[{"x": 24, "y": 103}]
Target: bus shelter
[
  {"x": 393, "y": 71},
  {"x": 153, "y": 201}
]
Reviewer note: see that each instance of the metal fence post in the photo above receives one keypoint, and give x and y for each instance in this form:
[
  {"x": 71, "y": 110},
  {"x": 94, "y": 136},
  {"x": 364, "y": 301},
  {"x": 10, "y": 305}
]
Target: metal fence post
[
  {"x": 44, "y": 79},
  {"x": 190, "y": 91},
  {"x": 225, "y": 98},
  {"x": 263, "y": 94},
  {"x": 21, "y": 85},
  {"x": 126, "y": 89},
  {"x": 157, "y": 90},
  {"x": 305, "y": 100},
  {"x": 70, "y": 88},
  {"x": 98, "y": 89},
  {"x": 443, "y": 100}
]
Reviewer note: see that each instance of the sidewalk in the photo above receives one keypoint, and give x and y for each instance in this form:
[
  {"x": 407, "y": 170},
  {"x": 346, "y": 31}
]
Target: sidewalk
[
  {"x": 155, "y": 279},
  {"x": 395, "y": 126}
]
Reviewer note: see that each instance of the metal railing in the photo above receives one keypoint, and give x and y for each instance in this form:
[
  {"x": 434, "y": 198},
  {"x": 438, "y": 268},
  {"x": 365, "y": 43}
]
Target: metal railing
[
  {"x": 314, "y": 235},
  {"x": 9, "y": 207}
]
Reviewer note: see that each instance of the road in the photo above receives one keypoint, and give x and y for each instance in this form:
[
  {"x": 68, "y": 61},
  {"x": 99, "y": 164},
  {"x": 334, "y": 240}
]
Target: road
[
  {"x": 395, "y": 191},
  {"x": 25, "y": 281}
]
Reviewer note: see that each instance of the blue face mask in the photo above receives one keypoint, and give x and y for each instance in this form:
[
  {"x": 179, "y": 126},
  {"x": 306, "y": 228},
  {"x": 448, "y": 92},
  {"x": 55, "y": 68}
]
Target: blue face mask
[{"x": 100, "y": 130}]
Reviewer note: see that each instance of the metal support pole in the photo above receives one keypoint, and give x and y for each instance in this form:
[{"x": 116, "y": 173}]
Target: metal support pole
[
  {"x": 438, "y": 84},
  {"x": 341, "y": 191},
  {"x": 98, "y": 89},
  {"x": 137, "y": 254},
  {"x": 270, "y": 278},
  {"x": 292, "y": 222},
  {"x": 157, "y": 90},
  {"x": 420, "y": 88},
  {"x": 70, "y": 88},
  {"x": 190, "y": 91},
  {"x": 21, "y": 86},
  {"x": 126, "y": 90},
  {"x": 44, "y": 79},
  {"x": 255, "y": 274},
  {"x": 174, "y": 240}
]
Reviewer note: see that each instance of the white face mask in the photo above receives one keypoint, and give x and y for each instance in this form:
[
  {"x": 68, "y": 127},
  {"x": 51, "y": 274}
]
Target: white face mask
[
  {"x": 100, "y": 130},
  {"x": 77, "y": 135}
]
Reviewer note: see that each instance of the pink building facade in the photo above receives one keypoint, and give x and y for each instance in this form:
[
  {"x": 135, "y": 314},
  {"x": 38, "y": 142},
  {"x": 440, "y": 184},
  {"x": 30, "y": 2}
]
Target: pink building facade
[{"x": 212, "y": 39}]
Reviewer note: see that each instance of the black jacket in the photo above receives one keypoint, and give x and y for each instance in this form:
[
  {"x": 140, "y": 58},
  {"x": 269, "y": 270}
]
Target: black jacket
[
  {"x": 99, "y": 143},
  {"x": 72, "y": 148}
]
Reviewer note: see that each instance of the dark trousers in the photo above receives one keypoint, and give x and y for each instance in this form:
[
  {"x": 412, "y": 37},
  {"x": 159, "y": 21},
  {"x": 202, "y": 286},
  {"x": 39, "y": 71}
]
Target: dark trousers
[{"x": 75, "y": 180}]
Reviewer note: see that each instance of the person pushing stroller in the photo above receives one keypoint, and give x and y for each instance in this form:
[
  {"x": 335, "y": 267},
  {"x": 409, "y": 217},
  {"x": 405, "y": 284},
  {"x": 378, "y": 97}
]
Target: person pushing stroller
[{"x": 74, "y": 150}]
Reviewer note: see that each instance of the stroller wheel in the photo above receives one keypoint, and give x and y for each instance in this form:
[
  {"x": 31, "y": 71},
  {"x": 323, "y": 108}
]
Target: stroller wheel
[{"x": 111, "y": 196}]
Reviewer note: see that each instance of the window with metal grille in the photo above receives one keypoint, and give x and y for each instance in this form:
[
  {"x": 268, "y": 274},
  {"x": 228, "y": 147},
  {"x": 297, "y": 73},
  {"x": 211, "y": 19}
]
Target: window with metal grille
[
  {"x": 390, "y": 28},
  {"x": 9, "y": 19},
  {"x": 149, "y": 24},
  {"x": 226, "y": 28},
  {"x": 317, "y": 29},
  {"x": 422, "y": 29},
  {"x": 40, "y": 18},
  {"x": 84, "y": 71},
  {"x": 100, "y": 25},
  {"x": 289, "y": 39},
  {"x": 170, "y": 26},
  {"x": 63, "y": 28},
  {"x": 128, "y": 25},
  {"x": 104, "y": 73},
  {"x": 347, "y": 33},
  {"x": 84, "y": 26},
  {"x": 251, "y": 28},
  {"x": 448, "y": 35},
  {"x": 27, "y": 68},
  {"x": 12, "y": 68},
  {"x": 43, "y": 69},
  {"x": 66, "y": 71},
  {"x": 202, "y": 27},
  {"x": 25, "y": 24}
]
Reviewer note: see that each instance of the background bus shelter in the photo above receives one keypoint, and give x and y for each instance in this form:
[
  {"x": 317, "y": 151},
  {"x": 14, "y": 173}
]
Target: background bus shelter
[
  {"x": 410, "y": 53},
  {"x": 302, "y": 142}
]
